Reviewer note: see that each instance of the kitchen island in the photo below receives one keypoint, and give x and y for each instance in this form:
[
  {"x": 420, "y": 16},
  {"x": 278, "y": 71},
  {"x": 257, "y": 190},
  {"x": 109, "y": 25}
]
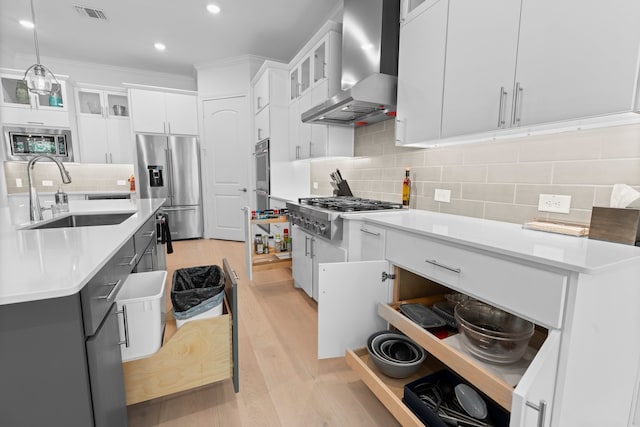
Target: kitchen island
[{"x": 60, "y": 360}]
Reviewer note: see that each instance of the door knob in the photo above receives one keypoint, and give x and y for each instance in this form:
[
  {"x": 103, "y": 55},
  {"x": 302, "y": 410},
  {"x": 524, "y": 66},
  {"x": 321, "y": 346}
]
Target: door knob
[{"x": 244, "y": 190}]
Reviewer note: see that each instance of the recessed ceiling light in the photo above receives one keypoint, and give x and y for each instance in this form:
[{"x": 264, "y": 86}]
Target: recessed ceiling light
[
  {"x": 212, "y": 8},
  {"x": 159, "y": 46},
  {"x": 26, "y": 24}
]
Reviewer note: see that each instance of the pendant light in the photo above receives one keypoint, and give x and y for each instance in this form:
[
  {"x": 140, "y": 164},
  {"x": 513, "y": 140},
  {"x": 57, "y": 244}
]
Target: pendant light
[{"x": 38, "y": 78}]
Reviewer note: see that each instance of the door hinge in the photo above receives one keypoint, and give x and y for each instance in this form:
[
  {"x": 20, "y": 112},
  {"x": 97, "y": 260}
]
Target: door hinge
[{"x": 386, "y": 276}]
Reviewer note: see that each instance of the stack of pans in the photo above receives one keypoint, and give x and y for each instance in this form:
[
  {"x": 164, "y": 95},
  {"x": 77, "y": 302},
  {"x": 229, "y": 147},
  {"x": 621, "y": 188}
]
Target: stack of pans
[{"x": 394, "y": 354}]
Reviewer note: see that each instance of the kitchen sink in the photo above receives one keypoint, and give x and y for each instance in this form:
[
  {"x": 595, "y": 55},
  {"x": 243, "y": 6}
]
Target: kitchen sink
[{"x": 87, "y": 220}]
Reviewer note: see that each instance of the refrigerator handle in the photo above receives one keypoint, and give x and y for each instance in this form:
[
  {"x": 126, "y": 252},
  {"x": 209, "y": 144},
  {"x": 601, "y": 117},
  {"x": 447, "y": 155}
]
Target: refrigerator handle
[
  {"x": 167, "y": 155},
  {"x": 170, "y": 165}
]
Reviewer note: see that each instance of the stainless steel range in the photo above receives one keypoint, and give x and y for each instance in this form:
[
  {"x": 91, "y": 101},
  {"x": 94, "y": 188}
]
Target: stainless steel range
[{"x": 321, "y": 216}]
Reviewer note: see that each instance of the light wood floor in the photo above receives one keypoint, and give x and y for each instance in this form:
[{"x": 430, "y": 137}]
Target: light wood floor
[{"x": 281, "y": 381}]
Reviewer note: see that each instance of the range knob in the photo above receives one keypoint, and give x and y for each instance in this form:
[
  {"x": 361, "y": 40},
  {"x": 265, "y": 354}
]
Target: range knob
[
  {"x": 322, "y": 228},
  {"x": 316, "y": 226}
]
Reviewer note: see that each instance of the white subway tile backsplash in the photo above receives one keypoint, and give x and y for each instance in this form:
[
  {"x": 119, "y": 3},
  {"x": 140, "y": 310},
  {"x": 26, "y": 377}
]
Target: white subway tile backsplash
[
  {"x": 496, "y": 180},
  {"x": 473, "y": 173},
  {"x": 530, "y": 173}
]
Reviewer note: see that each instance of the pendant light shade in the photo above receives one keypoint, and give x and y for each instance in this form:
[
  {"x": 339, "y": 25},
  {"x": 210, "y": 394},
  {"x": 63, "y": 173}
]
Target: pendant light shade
[{"x": 38, "y": 78}]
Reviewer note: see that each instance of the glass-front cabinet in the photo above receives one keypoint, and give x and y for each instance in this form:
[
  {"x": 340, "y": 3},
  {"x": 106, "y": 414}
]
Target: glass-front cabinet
[
  {"x": 21, "y": 107},
  {"x": 16, "y": 94},
  {"x": 95, "y": 102}
]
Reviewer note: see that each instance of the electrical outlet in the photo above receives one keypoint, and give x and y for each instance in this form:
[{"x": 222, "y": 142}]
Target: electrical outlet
[
  {"x": 121, "y": 182},
  {"x": 441, "y": 195},
  {"x": 18, "y": 182},
  {"x": 47, "y": 183},
  {"x": 554, "y": 203},
  {"x": 315, "y": 185}
]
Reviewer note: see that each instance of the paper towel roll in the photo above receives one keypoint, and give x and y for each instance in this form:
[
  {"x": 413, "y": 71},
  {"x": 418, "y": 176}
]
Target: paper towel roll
[{"x": 622, "y": 196}]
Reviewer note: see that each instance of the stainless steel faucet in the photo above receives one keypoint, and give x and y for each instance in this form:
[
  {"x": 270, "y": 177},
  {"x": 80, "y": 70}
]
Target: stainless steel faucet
[{"x": 35, "y": 211}]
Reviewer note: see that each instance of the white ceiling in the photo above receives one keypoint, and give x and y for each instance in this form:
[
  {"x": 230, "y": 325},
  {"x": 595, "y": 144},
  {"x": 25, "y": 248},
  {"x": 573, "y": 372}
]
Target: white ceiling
[{"x": 269, "y": 28}]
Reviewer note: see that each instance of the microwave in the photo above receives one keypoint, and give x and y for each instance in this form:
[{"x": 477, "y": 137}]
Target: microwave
[{"x": 26, "y": 143}]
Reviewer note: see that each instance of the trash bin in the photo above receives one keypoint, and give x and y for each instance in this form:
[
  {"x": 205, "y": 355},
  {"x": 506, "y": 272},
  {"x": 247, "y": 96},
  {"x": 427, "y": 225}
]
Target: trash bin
[{"x": 197, "y": 293}]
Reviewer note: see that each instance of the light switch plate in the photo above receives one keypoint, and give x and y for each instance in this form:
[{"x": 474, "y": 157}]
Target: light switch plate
[
  {"x": 18, "y": 182},
  {"x": 315, "y": 185},
  {"x": 441, "y": 195},
  {"x": 554, "y": 203},
  {"x": 47, "y": 183}
]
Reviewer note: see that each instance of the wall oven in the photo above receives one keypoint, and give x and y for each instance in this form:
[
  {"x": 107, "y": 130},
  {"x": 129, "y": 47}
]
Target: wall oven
[
  {"x": 22, "y": 143},
  {"x": 263, "y": 173}
]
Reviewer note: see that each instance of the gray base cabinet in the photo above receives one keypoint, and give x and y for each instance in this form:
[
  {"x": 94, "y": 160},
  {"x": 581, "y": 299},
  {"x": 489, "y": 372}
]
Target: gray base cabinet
[
  {"x": 43, "y": 366},
  {"x": 105, "y": 370}
]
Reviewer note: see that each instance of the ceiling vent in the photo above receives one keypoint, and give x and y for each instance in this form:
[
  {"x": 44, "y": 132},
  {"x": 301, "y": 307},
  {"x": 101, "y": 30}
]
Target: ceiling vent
[{"x": 89, "y": 12}]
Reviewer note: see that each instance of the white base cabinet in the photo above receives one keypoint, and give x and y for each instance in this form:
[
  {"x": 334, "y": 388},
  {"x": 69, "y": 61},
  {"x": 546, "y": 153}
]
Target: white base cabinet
[{"x": 586, "y": 335}]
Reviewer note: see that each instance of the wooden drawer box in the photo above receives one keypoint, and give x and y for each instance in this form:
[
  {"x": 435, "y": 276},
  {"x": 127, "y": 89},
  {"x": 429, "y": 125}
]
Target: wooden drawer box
[{"x": 527, "y": 291}]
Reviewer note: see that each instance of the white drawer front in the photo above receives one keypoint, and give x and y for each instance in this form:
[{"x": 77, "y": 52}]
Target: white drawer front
[{"x": 524, "y": 290}]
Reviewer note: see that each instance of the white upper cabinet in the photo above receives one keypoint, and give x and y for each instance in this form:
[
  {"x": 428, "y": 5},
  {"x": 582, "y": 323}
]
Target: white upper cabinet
[
  {"x": 261, "y": 92},
  {"x": 581, "y": 63},
  {"x": 506, "y": 65},
  {"x": 21, "y": 107},
  {"x": 421, "y": 71},
  {"x": 164, "y": 112},
  {"x": 314, "y": 77},
  {"x": 104, "y": 126},
  {"x": 479, "y": 101}
]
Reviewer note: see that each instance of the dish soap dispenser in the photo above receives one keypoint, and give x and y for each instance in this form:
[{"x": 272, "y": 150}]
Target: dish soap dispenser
[{"x": 62, "y": 200}]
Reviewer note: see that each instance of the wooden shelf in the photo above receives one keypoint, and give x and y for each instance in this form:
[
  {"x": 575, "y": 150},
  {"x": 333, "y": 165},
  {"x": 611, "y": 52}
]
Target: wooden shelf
[
  {"x": 270, "y": 261},
  {"x": 390, "y": 390},
  {"x": 282, "y": 218}
]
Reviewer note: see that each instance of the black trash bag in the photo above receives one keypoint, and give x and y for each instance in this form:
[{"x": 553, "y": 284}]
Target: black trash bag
[{"x": 193, "y": 285}]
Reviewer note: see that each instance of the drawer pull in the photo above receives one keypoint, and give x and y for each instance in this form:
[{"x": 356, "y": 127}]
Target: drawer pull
[
  {"x": 446, "y": 267},
  {"x": 126, "y": 326},
  {"x": 149, "y": 234},
  {"x": 541, "y": 408},
  {"x": 131, "y": 261},
  {"x": 370, "y": 232},
  {"x": 114, "y": 290}
]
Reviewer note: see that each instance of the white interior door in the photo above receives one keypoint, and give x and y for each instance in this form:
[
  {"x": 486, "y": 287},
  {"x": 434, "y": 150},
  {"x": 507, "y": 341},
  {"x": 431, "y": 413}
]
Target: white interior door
[{"x": 226, "y": 162}]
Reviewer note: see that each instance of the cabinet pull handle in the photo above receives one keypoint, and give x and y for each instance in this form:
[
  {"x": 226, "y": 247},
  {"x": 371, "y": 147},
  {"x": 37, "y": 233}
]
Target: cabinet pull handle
[
  {"x": 131, "y": 261},
  {"x": 258, "y": 102},
  {"x": 259, "y": 132},
  {"x": 446, "y": 267},
  {"x": 106, "y": 159},
  {"x": 110, "y": 157},
  {"x": 114, "y": 289},
  {"x": 169, "y": 126},
  {"x": 542, "y": 411},
  {"x": 126, "y": 326},
  {"x": 370, "y": 232},
  {"x": 36, "y": 123},
  {"x": 311, "y": 254},
  {"x": 149, "y": 234},
  {"x": 148, "y": 252},
  {"x": 517, "y": 104},
  {"x": 306, "y": 251},
  {"x": 501, "y": 121}
]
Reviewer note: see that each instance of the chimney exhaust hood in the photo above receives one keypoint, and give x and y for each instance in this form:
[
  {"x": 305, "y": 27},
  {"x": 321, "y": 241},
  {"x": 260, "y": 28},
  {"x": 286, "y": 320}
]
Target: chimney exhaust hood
[{"x": 370, "y": 36}]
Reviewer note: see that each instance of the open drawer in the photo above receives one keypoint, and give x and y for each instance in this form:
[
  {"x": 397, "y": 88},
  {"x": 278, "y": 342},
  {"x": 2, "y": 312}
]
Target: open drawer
[
  {"x": 389, "y": 390},
  {"x": 201, "y": 352},
  {"x": 496, "y": 381}
]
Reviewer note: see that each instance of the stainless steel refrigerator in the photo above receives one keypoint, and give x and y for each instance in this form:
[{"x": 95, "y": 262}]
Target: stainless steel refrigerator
[{"x": 169, "y": 167}]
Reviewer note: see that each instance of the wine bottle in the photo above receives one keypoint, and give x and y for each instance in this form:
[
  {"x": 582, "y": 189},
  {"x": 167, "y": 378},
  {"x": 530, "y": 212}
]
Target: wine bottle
[{"x": 406, "y": 189}]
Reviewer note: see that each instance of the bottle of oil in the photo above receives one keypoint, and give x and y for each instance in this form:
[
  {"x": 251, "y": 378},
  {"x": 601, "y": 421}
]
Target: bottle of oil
[{"x": 406, "y": 189}]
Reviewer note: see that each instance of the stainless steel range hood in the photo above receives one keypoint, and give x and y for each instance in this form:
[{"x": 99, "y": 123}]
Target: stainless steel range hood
[{"x": 370, "y": 31}]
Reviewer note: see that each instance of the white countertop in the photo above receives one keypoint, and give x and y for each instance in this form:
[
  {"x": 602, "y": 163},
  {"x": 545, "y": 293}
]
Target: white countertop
[
  {"x": 578, "y": 254},
  {"x": 50, "y": 263}
]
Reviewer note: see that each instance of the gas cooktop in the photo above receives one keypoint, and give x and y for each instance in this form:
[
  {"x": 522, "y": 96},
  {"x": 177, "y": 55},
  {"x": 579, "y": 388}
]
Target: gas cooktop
[{"x": 348, "y": 204}]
